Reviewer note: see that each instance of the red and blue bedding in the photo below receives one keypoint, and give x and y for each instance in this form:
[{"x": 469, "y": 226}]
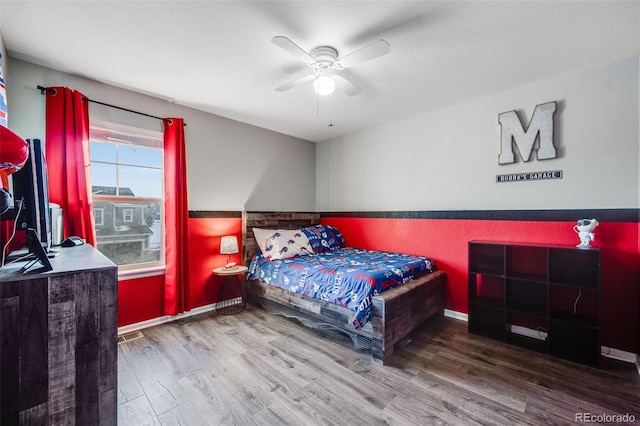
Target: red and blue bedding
[{"x": 345, "y": 276}]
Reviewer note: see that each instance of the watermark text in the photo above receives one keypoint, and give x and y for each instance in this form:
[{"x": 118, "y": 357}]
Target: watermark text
[{"x": 604, "y": 418}]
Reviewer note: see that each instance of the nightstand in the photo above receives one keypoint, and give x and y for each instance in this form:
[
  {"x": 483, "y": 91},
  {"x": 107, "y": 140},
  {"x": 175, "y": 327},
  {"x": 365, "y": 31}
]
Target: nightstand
[{"x": 231, "y": 298}]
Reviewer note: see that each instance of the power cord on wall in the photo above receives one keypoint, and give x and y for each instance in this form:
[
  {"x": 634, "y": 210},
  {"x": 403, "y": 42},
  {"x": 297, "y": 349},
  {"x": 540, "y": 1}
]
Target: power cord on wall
[{"x": 575, "y": 305}]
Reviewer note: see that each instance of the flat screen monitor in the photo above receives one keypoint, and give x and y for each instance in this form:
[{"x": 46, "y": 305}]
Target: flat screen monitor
[{"x": 31, "y": 189}]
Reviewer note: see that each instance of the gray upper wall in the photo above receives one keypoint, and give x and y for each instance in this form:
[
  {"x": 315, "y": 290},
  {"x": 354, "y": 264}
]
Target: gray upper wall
[
  {"x": 231, "y": 165},
  {"x": 444, "y": 160},
  {"x": 448, "y": 159}
]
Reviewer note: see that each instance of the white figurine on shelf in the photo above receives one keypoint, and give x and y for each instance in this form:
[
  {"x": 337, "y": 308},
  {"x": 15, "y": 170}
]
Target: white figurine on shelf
[{"x": 584, "y": 228}]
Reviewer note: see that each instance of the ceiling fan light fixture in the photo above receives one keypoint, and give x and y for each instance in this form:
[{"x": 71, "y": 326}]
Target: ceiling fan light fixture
[{"x": 324, "y": 85}]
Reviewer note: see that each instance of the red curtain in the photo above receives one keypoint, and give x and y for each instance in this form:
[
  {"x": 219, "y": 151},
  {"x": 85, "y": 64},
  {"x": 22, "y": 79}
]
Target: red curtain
[
  {"x": 176, "y": 287},
  {"x": 67, "y": 153}
]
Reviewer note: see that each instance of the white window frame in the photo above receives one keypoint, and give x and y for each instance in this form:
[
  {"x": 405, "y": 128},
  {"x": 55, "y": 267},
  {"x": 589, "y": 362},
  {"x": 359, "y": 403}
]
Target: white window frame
[
  {"x": 95, "y": 216},
  {"x": 127, "y": 215},
  {"x": 118, "y": 133}
]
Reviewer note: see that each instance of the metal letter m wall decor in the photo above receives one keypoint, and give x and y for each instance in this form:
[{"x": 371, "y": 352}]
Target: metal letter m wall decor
[{"x": 514, "y": 135}]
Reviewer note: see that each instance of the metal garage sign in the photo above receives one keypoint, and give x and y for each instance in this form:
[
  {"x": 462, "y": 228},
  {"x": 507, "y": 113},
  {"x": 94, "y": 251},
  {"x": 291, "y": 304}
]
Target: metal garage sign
[{"x": 518, "y": 177}]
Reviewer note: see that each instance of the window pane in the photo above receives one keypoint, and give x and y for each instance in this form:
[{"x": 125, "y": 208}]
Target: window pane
[
  {"x": 103, "y": 179},
  {"x": 141, "y": 181},
  {"x": 98, "y": 214},
  {"x": 130, "y": 232},
  {"x": 139, "y": 156},
  {"x": 102, "y": 152}
]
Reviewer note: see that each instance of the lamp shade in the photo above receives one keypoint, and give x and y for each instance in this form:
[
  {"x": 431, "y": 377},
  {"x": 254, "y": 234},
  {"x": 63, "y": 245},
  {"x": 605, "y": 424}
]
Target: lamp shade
[{"x": 229, "y": 245}]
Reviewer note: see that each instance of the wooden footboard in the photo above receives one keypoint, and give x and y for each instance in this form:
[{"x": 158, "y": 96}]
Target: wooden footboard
[
  {"x": 396, "y": 313},
  {"x": 402, "y": 309}
]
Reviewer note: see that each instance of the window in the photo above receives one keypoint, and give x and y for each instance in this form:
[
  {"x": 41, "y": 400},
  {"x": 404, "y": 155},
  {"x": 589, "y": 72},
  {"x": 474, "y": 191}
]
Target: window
[
  {"x": 127, "y": 191},
  {"x": 127, "y": 215},
  {"x": 98, "y": 216}
]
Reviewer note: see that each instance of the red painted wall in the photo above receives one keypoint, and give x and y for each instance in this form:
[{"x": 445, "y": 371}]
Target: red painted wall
[
  {"x": 142, "y": 299},
  {"x": 442, "y": 239},
  {"x": 204, "y": 254},
  {"x": 445, "y": 241}
]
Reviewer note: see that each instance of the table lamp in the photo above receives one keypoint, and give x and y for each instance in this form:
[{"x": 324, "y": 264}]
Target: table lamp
[{"x": 229, "y": 246}]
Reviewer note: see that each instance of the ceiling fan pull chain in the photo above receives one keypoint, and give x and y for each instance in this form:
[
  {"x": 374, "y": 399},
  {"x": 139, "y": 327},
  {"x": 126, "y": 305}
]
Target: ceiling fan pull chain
[{"x": 331, "y": 111}]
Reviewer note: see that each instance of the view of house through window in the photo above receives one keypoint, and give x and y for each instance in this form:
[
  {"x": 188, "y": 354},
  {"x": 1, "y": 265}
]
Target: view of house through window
[{"x": 127, "y": 189}]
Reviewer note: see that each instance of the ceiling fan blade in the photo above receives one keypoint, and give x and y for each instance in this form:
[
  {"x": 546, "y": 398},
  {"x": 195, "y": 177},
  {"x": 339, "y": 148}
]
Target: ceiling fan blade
[
  {"x": 346, "y": 86},
  {"x": 373, "y": 50},
  {"x": 292, "y": 48},
  {"x": 296, "y": 82}
]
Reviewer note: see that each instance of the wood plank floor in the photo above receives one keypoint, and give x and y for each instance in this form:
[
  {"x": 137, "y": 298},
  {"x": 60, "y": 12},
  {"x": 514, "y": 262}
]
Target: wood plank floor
[{"x": 259, "y": 369}]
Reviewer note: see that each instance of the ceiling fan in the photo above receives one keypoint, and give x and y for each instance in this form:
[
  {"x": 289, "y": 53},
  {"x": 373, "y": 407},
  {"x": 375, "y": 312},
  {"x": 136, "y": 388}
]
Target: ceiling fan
[{"x": 327, "y": 66}]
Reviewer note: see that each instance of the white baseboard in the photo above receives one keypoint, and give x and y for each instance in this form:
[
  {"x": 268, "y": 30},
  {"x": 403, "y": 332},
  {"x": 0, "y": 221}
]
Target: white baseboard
[
  {"x": 456, "y": 315},
  {"x": 618, "y": 354},
  {"x": 164, "y": 319}
]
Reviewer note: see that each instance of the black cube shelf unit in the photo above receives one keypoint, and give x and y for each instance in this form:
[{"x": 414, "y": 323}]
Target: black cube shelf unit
[{"x": 544, "y": 298}]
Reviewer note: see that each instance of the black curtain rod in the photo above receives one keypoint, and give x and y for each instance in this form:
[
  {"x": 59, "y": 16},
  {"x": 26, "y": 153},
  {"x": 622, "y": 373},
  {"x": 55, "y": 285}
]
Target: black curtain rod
[{"x": 43, "y": 89}]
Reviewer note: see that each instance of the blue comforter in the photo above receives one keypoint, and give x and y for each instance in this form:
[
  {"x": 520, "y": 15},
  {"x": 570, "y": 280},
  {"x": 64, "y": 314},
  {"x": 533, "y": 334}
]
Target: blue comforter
[{"x": 348, "y": 277}]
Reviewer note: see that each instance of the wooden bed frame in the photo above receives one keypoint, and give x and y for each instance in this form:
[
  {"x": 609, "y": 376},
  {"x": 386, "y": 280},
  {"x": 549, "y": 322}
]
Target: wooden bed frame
[{"x": 396, "y": 312}]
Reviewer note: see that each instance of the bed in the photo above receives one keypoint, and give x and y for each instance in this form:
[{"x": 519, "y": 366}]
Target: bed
[{"x": 384, "y": 319}]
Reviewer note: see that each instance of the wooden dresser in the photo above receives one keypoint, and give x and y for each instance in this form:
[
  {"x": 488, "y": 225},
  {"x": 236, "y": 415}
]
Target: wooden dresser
[{"x": 58, "y": 342}]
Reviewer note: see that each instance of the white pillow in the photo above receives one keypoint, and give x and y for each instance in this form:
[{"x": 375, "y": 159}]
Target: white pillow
[
  {"x": 261, "y": 238},
  {"x": 283, "y": 244}
]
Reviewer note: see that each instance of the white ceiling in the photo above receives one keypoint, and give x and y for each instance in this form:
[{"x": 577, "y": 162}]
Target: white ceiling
[{"x": 217, "y": 56}]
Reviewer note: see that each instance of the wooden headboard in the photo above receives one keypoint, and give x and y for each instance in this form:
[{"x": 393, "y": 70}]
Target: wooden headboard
[{"x": 270, "y": 220}]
